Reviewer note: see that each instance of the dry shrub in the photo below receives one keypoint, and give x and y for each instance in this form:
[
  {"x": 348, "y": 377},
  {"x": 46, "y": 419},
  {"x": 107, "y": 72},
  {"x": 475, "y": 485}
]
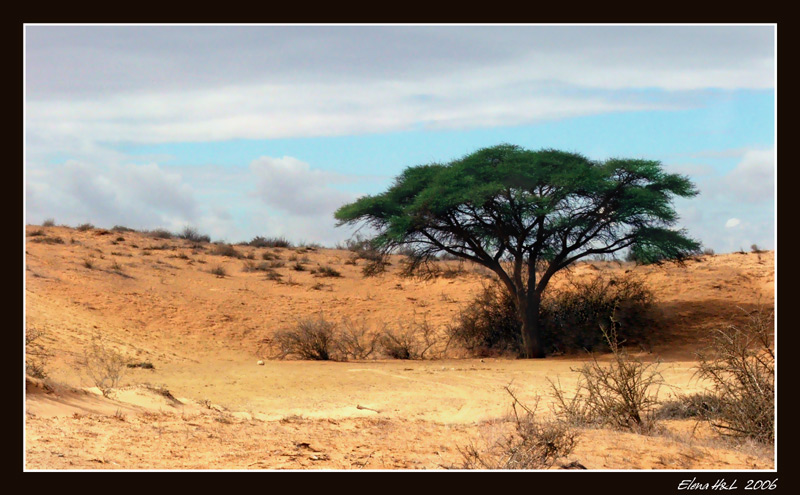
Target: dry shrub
[
  {"x": 103, "y": 365},
  {"x": 355, "y": 340},
  {"x": 219, "y": 271},
  {"x": 411, "y": 340},
  {"x": 226, "y": 250},
  {"x": 621, "y": 394},
  {"x": 35, "y": 354},
  {"x": 191, "y": 234},
  {"x": 273, "y": 242},
  {"x": 533, "y": 444},
  {"x": 160, "y": 234},
  {"x": 311, "y": 339},
  {"x": 701, "y": 405},
  {"x": 741, "y": 368},
  {"x": 84, "y": 227},
  {"x": 48, "y": 240},
  {"x": 49, "y": 222},
  {"x": 326, "y": 271}
]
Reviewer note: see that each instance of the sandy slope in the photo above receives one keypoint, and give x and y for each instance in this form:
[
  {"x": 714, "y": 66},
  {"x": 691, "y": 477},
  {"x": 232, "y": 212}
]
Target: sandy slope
[{"x": 204, "y": 334}]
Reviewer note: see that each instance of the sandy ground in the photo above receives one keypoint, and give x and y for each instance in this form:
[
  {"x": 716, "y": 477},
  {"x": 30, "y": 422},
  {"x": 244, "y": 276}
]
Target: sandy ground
[{"x": 207, "y": 404}]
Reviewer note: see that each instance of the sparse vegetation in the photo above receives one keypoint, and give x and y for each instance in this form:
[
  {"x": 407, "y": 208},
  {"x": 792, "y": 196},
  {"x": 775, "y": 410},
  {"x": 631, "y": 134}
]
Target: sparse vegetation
[
  {"x": 272, "y": 242},
  {"x": 312, "y": 338},
  {"x": 410, "y": 340},
  {"x": 35, "y": 233},
  {"x": 103, "y": 365},
  {"x": 84, "y": 227},
  {"x": 532, "y": 444},
  {"x": 741, "y": 368},
  {"x": 48, "y": 240},
  {"x": 219, "y": 271},
  {"x": 222, "y": 249},
  {"x": 356, "y": 341},
  {"x": 122, "y": 228},
  {"x": 191, "y": 234},
  {"x": 621, "y": 394},
  {"x": 88, "y": 263},
  {"x": 326, "y": 271},
  {"x": 160, "y": 234},
  {"x": 35, "y": 354},
  {"x": 49, "y": 222}
]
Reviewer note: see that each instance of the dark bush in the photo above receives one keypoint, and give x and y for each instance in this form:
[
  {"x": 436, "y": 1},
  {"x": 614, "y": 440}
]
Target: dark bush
[
  {"x": 326, "y": 271},
  {"x": 272, "y": 242},
  {"x": 84, "y": 227},
  {"x": 160, "y": 234},
  {"x": 226, "y": 250},
  {"x": 311, "y": 339},
  {"x": 48, "y": 240},
  {"x": 570, "y": 316},
  {"x": 191, "y": 234}
]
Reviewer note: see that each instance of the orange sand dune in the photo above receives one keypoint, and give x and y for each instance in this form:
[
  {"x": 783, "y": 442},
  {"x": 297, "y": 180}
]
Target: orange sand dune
[{"x": 156, "y": 301}]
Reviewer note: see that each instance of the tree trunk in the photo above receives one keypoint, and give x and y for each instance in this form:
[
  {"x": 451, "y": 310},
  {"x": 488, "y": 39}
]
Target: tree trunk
[{"x": 531, "y": 333}]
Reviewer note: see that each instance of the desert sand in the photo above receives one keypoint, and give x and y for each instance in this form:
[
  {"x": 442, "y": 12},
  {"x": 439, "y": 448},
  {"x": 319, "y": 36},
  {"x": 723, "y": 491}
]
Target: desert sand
[{"x": 208, "y": 404}]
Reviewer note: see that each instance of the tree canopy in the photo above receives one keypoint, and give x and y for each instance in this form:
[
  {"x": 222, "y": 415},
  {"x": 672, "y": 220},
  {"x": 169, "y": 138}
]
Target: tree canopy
[{"x": 521, "y": 212}]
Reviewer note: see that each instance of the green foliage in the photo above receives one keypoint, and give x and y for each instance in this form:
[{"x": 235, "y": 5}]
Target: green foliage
[{"x": 539, "y": 210}]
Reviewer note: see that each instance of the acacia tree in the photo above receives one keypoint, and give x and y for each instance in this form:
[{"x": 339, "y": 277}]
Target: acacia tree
[{"x": 526, "y": 215}]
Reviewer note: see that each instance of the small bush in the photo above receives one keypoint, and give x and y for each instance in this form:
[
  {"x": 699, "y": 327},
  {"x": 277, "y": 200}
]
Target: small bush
[
  {"x": 533, "y": 444},
  {"x": 35, "y": 354},
  {"x": 49, "y": 222},
  {"x": 219, "y": 271},
  {"x": 88, "y": 263},
  {"x": 144, "y": 365},
  {"x": 298, "y": 267},
  {"x": 741, "y": 368},
  {"x": 622, "y": 394},
  {"x": 703, "y": 405},
  {"x": 708, "y": 252},
  {"x": 84, "y": 227},
  {"x": 356, "y": 341},
  {"x": 411, "y": 340},
  {"x": 755, "y": 249},
  {"x": 326, "y": 271},
  {"x": 48, "y": 240},
  {"x": 122, "y": 228},
  {"x": 35, "y": 233},
  {"x": 273, "y": 242},
  {"x": 191, "y": 234},
  {"x": 311, "y": 339},
  {"x": 103, "y": 365},
  {"x": 160, "y": 234},
  {"x": 226, "y": 250}
]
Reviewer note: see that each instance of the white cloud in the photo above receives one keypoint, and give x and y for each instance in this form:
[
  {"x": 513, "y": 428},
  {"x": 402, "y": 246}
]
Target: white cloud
[
  {"x": 753, "y": 179},
  {"x": 293, "y": 187},
  {"x": 732, "y": 222},
  {"x": 134, "y": 195}
]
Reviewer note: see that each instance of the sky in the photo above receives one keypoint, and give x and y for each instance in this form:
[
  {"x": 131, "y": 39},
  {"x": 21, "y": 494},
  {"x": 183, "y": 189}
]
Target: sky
[{"x": 247, "y": 130}]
